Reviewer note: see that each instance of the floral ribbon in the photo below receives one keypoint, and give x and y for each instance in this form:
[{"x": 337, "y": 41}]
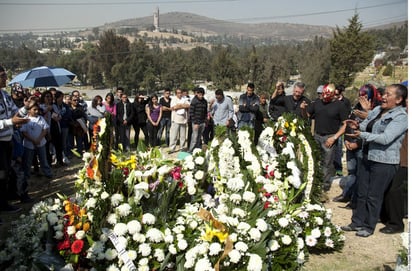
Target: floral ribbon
[{"x": 216, "y": 224}]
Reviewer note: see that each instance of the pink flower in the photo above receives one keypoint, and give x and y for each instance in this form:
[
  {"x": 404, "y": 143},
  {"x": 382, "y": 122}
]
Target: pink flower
[{"x": 77, "y": 246}]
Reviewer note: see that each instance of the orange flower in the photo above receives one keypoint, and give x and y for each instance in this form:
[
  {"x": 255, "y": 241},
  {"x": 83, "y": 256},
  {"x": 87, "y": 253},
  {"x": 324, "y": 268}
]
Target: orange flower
[
  {"x": 86, "y": 226},
  {"x": 279, "y": 132}
]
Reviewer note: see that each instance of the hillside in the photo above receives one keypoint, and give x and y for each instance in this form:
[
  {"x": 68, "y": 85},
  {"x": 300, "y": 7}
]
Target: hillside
[{"x": 201, "y": 25}]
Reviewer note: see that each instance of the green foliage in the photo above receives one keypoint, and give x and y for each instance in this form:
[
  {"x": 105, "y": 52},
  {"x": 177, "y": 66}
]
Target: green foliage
[
  {"x": 351, "y": 51},
  {"x": 388, "y": 71}
]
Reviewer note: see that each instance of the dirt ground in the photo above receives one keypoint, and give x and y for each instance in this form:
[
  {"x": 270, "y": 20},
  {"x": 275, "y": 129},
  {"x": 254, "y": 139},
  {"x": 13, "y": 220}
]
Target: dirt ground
[{"x": 377, "y": 252}]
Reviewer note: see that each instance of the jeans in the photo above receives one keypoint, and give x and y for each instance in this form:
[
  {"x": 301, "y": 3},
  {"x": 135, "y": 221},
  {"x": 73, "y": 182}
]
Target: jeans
[
  {"x": 246, "y": 123},
  {"x": 124, "y": 136},
  {"x": 177, "y": 131},
  {"x": 327, "y": 164},
  {"x": 348, "y": 183},
  {"x": 373, "y": 180},
  {"x": 164, "y": 125},
  {"x": 28, "y": 160},
  {"x": 197, "y": 131}
]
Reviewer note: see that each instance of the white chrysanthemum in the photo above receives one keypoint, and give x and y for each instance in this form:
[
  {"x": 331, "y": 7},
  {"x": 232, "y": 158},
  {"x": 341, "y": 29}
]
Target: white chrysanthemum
[
  {"x": 182, "y": 244},
  {"x": 116, "y": 199},
  {"x": 132, "y": 254},
  {"x": 112, "y": 267},
  {"x": 286, "y": 240},
  {"x": 301, "y": 257},
  {"x": 235, "y": 198},
  {"x": 133, "y": 227},
  {"x": 154, "y": 235},
  {"x": 249, "y": 196},
  {"x": 243, "y": 227},
  {"x": 273, "y": 245},
  {"x": 214, "y": 249},
  {"x": 235, "y": 184},
  {"x": 52, "y": 218},
  {"x": 159, "y": 255},
  {"x": 172, "y": 249},
  {"x": 190, "y": 165},
  {"x": 120, "y": 229},
  {"x": 199, "y": 175},
  {"x": 311, "y": 241},
  {"x": 124, "y": 209},
  {"x": 255, "y": 234},
  {"x": 270, "y": 188},
  {"x": 80, "y": 235},
  {"x": 238, "y": 212},
  {"x": 241, "y": 246},
  {"x": 319, "y": 220},
  {"x": 300, "y": 243},
  {"x": 203, "y": 264},
  {"x": 138, "y": 237},
  {"x": 148, "y": 219},
  {"x": 104, "y": 195},
  {"x": 255, "y": 263},
  {"x": 261, "y": 225},
  {"x": 145, "y": 249},
  {"x": 303, "y": 215},
  {"x": 234, "y": 256},
  {"x": 110, "y": 254},
  {"x": 71, "y": 230},
  {"x": 283, "y": 222},
  {"x": 315, "y": 233},
  {"x": 199, "y": 160}
]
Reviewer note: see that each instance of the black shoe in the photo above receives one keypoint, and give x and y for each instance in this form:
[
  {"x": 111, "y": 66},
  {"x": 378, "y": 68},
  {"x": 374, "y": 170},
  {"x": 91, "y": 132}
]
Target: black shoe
[
  {"x": 390, "y": 230},
  {"x": 351, "y": 227},
  {"x": 364, "y": 233},
  {"x": 10, "y": 209},
  {"x": 341, "y": 198}
]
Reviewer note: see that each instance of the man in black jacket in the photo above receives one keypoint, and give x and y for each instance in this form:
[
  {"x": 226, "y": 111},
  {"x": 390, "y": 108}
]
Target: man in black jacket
[
  {"x": 124, "y": 117},
  {"x": 198, "y": 116}
]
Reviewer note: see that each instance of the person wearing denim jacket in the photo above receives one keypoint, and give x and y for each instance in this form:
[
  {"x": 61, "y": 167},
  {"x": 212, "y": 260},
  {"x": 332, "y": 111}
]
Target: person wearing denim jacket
[{"x": 382, "y": 133}]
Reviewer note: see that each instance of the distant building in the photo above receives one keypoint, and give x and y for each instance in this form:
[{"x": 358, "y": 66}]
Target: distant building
[{"x": 156, "y": 20}]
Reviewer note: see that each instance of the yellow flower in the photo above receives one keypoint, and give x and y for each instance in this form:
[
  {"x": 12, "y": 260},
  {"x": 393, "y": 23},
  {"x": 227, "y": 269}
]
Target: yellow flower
[
  {"x": 210, "y": 233},
  {"x": 286, "y": 124}
]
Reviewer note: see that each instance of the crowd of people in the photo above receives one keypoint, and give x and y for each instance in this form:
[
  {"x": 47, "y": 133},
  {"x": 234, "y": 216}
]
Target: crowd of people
[{"x": 44, "y": 129}]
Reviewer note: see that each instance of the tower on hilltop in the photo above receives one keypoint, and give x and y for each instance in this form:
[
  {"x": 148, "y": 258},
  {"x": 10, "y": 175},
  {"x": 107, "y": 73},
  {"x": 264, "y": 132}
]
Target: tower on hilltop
[{"x": 156, "y": 20}]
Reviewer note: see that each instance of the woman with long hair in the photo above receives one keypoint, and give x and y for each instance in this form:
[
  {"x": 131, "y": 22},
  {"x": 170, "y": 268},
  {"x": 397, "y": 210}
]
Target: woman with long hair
[{"x": 154, "y": 115}]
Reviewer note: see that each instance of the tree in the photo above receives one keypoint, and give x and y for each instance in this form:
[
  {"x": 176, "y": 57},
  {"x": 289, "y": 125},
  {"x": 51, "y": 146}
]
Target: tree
[{"x": 351, "y": 51}]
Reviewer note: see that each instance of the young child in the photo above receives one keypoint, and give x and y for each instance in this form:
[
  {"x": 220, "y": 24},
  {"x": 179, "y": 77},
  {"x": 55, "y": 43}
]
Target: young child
[{"x": 34, "y": 141}]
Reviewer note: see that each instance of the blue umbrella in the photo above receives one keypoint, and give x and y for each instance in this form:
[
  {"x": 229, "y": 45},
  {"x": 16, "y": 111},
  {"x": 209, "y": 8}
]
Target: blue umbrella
[{"x": 43, "y": 77}]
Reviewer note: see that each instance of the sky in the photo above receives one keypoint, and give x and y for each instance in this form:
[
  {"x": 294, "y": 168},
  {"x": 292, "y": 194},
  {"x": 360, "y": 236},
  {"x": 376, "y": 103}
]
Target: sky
[{"x": 64, "y": 15}]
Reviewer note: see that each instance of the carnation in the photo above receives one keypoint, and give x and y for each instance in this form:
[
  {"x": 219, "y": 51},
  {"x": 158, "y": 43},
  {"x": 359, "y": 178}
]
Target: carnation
[
  {"x": 235, "y": 184},
  {"x": 214, "y": 249},
  {"x": 241, "y": 246},
  {"x": 283, "y": 222},
  {"x": 145, "y": 249},
  {"x": 80, "y": 235},
  {"x": 311, "y": 241},
  {"x": 255, "y": 234},
  {"x": 112, "y": 219},
  {"x": 159, "y": 254},
  {"x": 235, "y": 198},
  {"x": 203, "y": 264},
  {"x": 249, "y": 196},
  {"x": 90, "y": 203},
  {"x": 261, "y": 225},
  {"x": 273, "y": 245},
  {"x": 133, "y": 226},
  {"x": 71, "y": 230},
  {"x": 234, "y": 256},
  {"x": 182, "y": 244},
  {"x": 132, "y": 254},
  {"x": 199, "y": 160},
  {"x": 255, "y": 263},
  {"x": 124, "y": 209},
  {"x": 104, "y": 195},
  {"x": 120, "y": 229},
  {"x": 116, "y": 199},
  {"x": 329, "y": 243},
  {"x": 316, "y": 233},
  {"x": 286, "y": 240},
  {"x": 154, "y": 235},
  {"x": 148, "y": 219}
]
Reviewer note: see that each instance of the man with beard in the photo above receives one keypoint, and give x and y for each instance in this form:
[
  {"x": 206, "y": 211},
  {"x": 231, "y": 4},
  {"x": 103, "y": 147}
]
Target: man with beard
[{"x": 328, "y": 113}]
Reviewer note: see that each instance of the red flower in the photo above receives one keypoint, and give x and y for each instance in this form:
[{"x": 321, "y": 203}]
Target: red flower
[
  {"x": 126, "y": 171},
  {"x": 77, "y": 246},
  {"x": 272, "y": 173},
  {"x": 268, "y": 195},
  {"x": 176, "y": 173},
  {"x": 65, "y": 244},
  {"x": 283, "y": 139},
  {"x": 267, "y": 203}
]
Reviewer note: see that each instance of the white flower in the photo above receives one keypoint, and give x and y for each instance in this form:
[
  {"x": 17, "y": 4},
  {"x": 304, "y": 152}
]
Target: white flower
[
  {"x": 172, "y": 249},
  {"x": 214, "y": 249},
  {"x": 112, "y": 219},
  {"x": 241, "y": 246},
  {"x": 154, "y": 235},
  {"x": 71, "y": 230},
  {"x": 235, "y": 184},
  {"x": 315, "y": 233},
  {"x": 203, "y": 264},
  {"x": 104, "y": 195},
  {"x": 110, "y": 254},
  {"x": 283, "y": 222},
  {"x": 91, "y": 203},
  {"x": 311, "y": 241},
  {"x": 255, "y": 234},
  {"x": 124, "y": 209},
  {"x": 319, "y": 220},
  {"x": 120, "y": 229},
  {"x": 148, "y": 219},
  {"x": 199, "y": 160},
  {"x": 52, "y": 218},
  {"x": 261, "y": 225},
  {"x": 249, "y": 196},
  {"x": 116, "y": 199},
  {"x": 58, "y": 235},
  {"x": 190, "y": 165},
  {"x": 273, "y": 245},
  {"x": 133, "y": 227},
  {"x": 243, "y": 227},
  {"x": 199, "y": 175},
  {"x": 301, "y": 257},
  {"x": 145, "y": 249},
  {"x": 159, "y": 255},
  {"x": 286, "y": 240},
  {"x": 235, "y": 198},
  {"x": 327, "y": 232},
  {"x": 182, "y": 244},
  {"x": 234, "y": 256},
  {"x": 138, "y": 237},
  {"x": 255, "y": 263},
  {"x": 132, "y": 254},
  {"x": 80, "y": 235},
  {"x": 329, "y": 243},
  {"x": 112, "y": 267},
  {"x": 238, "y": 212},
  {"x": 300, "y": 243}
]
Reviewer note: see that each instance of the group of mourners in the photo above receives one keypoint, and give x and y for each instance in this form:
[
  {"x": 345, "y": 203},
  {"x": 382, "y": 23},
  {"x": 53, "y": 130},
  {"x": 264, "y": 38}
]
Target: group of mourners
[{"x": 44, "y": 129}]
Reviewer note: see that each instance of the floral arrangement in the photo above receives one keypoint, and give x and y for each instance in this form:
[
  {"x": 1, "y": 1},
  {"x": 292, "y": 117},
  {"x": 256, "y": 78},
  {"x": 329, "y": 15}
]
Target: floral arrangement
[{"x": 235, "y": 206}]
